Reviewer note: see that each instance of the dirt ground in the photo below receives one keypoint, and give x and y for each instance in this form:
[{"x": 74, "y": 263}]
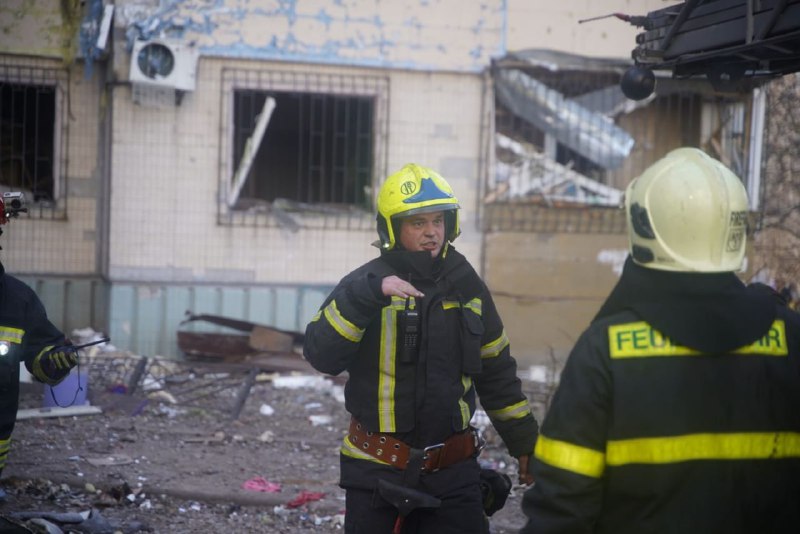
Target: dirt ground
[{"x": 172, "y": 455}]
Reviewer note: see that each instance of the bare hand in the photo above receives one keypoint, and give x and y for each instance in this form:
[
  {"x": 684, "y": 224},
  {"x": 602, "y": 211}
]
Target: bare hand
[
  {"x": 524, "y": 476},
  {"x": 393, "y": 286}
]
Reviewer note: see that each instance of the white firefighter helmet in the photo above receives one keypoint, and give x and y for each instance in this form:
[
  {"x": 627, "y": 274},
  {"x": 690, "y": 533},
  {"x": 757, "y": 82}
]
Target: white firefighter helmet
[{"x": 687, "y": 212}]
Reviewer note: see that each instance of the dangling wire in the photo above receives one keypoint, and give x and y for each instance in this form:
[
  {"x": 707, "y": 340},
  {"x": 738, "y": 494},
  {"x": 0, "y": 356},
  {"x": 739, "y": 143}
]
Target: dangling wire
[{"x": 76, "y": 348}]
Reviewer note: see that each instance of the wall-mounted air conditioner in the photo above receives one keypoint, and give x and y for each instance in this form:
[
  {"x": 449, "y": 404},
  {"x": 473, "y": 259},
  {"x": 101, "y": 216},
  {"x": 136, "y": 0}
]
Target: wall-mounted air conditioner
[{"x": 164, "y": 63}]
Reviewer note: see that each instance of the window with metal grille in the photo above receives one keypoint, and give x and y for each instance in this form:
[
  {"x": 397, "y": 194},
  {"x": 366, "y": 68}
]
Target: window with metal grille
[
  {"x": 32, "y": 133},
  {"x": 301, "y": 149},
  {"x": 316, "y": 148}
]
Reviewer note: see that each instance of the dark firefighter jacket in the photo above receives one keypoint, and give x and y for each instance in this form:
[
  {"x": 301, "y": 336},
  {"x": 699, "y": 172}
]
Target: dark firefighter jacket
[
  {"x": 25, "y": 332},
  {"x": 677, "y": 412},
  {"x": 423, "y": 396}
]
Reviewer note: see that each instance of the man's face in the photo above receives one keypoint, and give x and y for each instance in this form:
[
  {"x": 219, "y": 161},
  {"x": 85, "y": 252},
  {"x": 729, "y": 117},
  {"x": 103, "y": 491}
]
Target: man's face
[{"x": 423, "y": 232}]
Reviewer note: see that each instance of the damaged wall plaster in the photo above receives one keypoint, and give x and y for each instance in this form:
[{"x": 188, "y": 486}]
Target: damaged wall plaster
[{"x": 413, "y": 34}]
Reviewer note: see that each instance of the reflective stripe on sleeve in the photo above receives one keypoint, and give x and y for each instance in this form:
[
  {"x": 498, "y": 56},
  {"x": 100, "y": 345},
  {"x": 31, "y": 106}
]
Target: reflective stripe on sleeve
[
  {"x": 515, "y": 411},
  {"x": 732, "y": 446},
  {"x": 570, "y": 457},
  {"x": 345, "y": 328},
  {"x": 11, "y": 335},
  {"x": 494, "y": 348}
]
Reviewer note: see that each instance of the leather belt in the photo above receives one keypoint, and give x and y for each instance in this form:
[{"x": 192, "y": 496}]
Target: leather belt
[{"x": 396, "y": 453}]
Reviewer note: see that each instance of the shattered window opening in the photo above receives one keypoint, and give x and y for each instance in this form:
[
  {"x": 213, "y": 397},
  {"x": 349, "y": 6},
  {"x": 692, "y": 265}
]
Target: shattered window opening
[
  {"x": 301, "y": 150},
  {"x": 32, "y": 136},
  {"x": 566, "y": 137}
]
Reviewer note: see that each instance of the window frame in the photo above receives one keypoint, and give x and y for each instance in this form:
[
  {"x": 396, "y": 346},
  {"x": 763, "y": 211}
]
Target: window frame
[
  {"x": 235, "y": 79},
  {"x": 57, "y": 78}
]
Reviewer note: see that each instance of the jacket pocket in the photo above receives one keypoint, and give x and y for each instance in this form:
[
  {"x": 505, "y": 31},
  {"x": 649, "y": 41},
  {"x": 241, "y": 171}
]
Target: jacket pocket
[{"x": 471, "y": 337}]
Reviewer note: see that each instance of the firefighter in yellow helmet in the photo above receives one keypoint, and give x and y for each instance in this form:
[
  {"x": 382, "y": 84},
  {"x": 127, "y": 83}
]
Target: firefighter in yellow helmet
[
  {"x": 419, "y": 336},
  {"x": 677, "y": 408}
]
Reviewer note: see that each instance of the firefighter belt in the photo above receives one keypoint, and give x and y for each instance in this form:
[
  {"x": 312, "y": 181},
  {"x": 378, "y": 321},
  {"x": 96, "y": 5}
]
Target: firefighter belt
[{"x": 383, "y": 447}]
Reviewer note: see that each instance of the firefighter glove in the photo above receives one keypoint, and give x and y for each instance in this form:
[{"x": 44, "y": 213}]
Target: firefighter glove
[{"x": 54, "y": 363}]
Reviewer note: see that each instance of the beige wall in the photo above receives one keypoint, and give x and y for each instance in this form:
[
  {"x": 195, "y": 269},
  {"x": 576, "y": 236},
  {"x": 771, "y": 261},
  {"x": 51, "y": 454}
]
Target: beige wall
[
  {"x": 554, "y": 25},
  {"x": 548, "y": 286},
  {"x": 166, "y": 177}
]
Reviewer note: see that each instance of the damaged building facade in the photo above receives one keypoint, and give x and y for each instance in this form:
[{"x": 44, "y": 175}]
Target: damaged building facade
[{"x": 223, "y": 156}]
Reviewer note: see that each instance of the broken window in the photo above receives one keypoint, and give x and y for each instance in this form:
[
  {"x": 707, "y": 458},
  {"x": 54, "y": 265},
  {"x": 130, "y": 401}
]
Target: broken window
[
  {"x": 566, "y": 136},
  {"x": 301, "y": 146},
  {"x": 31, "y": 134},
  {"x": 317, "y": 148}
]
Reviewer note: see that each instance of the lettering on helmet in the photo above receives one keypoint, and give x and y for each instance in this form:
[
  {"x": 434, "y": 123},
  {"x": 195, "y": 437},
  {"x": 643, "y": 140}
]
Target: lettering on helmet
[
  {"x": 739, "y": 218},
  {"x": 408, "y": 188}
]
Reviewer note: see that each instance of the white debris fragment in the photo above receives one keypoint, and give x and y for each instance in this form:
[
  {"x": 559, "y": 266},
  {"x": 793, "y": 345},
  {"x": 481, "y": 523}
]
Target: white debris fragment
[
  {"x": 318, "y": 420},
  {"x": 266, "y": 409},
  {"x": 319, "y": 383},
  {"x": 267, "y": 436},
  {"x": 480, "y": 420}
]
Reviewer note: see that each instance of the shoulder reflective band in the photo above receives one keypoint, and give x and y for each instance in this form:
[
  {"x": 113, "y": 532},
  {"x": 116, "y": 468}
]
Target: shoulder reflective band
[
  {"x": 11, "y": 335},
  {"x": 345, "y": 328},
  {"x": 475, "y": 305},
  {"x": 571, "y": 457},
  {"x": 640, "y": 340},
  {"x": 494, "y": 348},
  {"x": 735, "y": 446},
  {"x": 515, "y": 411}
]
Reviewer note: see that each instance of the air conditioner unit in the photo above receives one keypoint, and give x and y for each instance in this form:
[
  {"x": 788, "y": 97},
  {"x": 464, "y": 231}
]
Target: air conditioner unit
[{"x": 164, "y": 63}]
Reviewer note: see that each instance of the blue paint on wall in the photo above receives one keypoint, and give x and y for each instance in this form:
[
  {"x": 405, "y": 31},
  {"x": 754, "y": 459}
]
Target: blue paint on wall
[{"x": 369, "y": 40}]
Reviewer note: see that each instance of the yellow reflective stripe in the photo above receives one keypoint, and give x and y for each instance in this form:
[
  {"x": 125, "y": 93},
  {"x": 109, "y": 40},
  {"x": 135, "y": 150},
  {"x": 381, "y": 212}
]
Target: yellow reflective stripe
[
  {"x": 36, "y": 368},
  {"x": 772, "y": 344},
  {"x": 348, "y": 449},
  {"x": 515, "y": 411},
  {"x": 11, "y": 335},
  {"x": 571, "y": 457},
  {"x": 386, "y": 369},
  {"x": 734, "y": 446},
  {"x": 476, "y": 305},
  {"x": 450, "y": 304},
  {"x": 494, "y": 348},
  {"x": 5, "y": 446},
  {"x": 316, "y": 316},
  {"x": 640, "y": 340},
  {"x": 345, "y": 328},
  {"x": 466, "y": 382}
]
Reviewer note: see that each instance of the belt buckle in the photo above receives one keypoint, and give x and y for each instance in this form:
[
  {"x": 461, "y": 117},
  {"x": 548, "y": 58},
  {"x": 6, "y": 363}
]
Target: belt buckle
[
  {"x": 426, "y": 455},
  {"x": 480, "y": 442}
]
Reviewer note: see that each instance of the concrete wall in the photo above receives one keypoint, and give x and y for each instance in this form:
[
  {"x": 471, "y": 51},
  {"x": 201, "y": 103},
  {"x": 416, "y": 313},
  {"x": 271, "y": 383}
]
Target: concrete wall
[{"x": 555, "y": 25}]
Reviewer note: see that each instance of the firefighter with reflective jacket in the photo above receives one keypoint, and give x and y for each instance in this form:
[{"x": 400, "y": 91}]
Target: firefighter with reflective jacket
[
  {"x": 26, "y": 335},
  {"x": 418, "y": 333},
  {"x": 677, "y": 410}
]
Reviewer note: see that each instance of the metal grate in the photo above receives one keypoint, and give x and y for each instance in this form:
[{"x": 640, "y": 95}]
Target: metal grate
[
  {"x": 33, "y": 136},
  {"x": 314, "y": 161}
]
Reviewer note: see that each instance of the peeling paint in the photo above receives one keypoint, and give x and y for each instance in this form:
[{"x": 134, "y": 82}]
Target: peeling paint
[{"x": 412, "y": 34}]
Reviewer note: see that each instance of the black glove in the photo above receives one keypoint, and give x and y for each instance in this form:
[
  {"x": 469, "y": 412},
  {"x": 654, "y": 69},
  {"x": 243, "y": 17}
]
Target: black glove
[
  {"x": 54, "y": 363},
  {"x": 495, "y": 488}
]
